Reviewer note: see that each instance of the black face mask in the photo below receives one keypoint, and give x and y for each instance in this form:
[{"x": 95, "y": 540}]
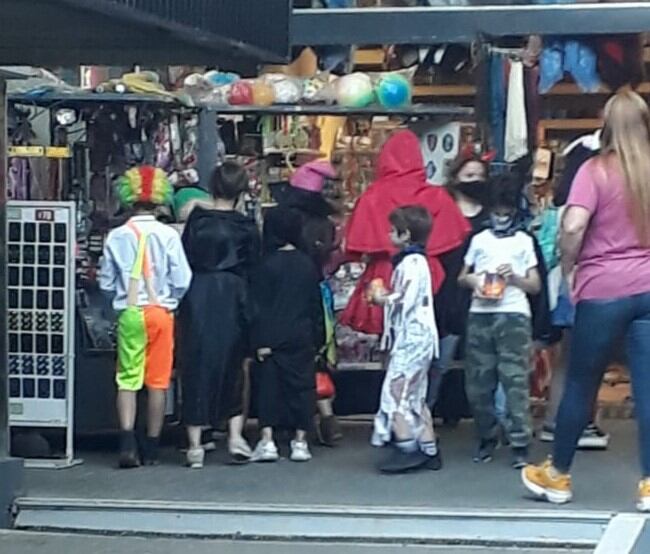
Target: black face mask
[{"x": 475, "y": 190}]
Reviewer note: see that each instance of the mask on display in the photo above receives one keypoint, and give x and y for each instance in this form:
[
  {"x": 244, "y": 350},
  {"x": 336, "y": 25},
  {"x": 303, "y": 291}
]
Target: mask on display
[{"x": 475, "y": 190}]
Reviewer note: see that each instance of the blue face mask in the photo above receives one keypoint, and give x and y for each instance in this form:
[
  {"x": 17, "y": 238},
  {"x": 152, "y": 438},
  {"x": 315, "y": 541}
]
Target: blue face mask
[{"x": 502, "y": 225}]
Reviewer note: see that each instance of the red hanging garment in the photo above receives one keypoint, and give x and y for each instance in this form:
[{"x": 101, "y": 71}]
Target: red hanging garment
[{"x": 401, "y": 181}]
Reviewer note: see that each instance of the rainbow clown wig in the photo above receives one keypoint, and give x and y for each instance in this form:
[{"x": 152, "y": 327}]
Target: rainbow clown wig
[{"x": 145, "y": 184}]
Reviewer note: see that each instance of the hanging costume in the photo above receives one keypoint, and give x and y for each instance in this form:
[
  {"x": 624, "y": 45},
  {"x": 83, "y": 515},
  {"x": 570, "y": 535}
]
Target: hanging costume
[
  {"x": 411, "y": 337},
  {"x": 401, "y": 181},
  {"x": 214, "y": 317},
  {"x": 289, "y": 321}
]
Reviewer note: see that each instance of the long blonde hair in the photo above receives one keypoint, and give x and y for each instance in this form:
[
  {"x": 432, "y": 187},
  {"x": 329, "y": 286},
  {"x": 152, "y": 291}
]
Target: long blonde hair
[{"x": 626, "y": 135}]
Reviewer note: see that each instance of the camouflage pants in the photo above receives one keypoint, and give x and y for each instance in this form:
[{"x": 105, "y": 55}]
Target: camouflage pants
[{"x": 498, "y": 351}]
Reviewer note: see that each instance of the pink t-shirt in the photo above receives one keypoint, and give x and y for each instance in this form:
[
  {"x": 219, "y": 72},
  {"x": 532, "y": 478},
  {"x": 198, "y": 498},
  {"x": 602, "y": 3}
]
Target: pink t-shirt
[{"x": 612, "y": 263}]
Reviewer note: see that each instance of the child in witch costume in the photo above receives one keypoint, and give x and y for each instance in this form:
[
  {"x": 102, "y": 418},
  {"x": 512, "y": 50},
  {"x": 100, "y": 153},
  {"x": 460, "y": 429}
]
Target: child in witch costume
[
  {"x": 411, "y": 338},
  {"x": 145, "y": 269},
  {"x": 287, "y": 333}
]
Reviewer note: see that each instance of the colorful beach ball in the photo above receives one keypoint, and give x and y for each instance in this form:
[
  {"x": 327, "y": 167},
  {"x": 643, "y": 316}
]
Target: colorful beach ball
[
  {"x": 355, "y": 91},
  {"x": 394, "y": 91}
]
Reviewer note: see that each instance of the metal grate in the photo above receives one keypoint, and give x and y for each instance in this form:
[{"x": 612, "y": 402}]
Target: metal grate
[{"x": 261, "y": 23}]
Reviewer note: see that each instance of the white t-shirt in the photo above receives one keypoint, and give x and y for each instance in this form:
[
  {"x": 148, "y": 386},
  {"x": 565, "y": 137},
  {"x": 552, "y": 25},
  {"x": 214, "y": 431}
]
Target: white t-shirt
[{"x": 486, "y": 253}]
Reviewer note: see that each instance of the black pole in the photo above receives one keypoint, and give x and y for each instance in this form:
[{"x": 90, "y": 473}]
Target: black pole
[{"x": 11, "y": 470}]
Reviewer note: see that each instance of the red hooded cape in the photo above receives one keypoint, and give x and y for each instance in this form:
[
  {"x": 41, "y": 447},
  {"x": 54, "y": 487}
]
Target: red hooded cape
[{"x": 401, "y": 181}]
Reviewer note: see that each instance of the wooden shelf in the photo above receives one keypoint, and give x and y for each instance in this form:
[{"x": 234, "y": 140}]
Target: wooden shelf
[
  {"x": 374, "y": 56},
  {"x": 561, "y": 89},
  {"x": 570, "y": 124},
  {"x": 546, "y": 125}
]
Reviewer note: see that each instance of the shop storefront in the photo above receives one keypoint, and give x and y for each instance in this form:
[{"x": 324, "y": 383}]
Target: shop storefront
[{"x": 484, "y": 81}]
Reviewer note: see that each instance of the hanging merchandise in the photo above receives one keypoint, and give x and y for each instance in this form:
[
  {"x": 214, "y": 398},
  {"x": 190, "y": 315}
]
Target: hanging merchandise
[
  {"x": 570, "y": 56},
  {"x": 497, "y": 104},
  {"x": 355, "y": 91},
  {"x": 620, "y": 60},
  {"x": 516, "y": 134},
  {"x": 440, "y": 145}
]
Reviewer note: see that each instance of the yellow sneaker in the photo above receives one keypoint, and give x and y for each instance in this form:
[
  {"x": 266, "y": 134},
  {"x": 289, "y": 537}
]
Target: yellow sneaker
[
  {"x": 544, "y": 482},
  {"x": 643, "y": 503}
]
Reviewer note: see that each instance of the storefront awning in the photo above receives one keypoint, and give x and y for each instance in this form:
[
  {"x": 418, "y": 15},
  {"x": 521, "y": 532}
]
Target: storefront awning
[{"x": 148, "y": 32}]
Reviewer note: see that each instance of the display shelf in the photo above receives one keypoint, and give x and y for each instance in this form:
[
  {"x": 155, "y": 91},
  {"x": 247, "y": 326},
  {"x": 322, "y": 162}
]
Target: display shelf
[
  {"x": 292, "y": 151},
  {"x": 414, "y": 110},
  {"x": 63, "y": 99},
  {"x": 561, "y": 89}
]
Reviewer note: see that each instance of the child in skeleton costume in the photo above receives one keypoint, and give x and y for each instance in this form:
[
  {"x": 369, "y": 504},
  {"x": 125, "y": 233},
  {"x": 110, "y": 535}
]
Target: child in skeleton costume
[{"x": 411, "y": 337}]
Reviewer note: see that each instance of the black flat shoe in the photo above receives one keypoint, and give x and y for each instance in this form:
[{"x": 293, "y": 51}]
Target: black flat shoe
[{"x": 398, "y": 461}]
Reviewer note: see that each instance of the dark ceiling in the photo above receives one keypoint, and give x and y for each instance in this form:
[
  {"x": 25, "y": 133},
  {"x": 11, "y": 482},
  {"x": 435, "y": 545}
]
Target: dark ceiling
[{"x": 231, "y": 34}]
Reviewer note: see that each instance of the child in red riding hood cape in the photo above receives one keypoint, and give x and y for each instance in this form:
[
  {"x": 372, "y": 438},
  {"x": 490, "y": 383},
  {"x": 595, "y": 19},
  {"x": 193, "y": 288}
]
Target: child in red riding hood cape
[{"x": 401, "y": 180}]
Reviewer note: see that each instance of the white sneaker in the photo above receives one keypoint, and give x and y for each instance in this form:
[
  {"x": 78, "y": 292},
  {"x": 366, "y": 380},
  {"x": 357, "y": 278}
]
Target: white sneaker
[
  {"x": 593, "y": 438},
  {"x": 300, "y": 451},
  {"x": 240, "y": 452},
  {"x": 195, "y": 458},
  {"x": 265, "y": 451}
]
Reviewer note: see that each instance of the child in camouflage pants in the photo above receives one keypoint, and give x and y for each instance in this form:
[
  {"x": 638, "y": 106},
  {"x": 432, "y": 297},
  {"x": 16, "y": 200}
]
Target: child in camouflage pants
[{"x": 501, "y": 269}]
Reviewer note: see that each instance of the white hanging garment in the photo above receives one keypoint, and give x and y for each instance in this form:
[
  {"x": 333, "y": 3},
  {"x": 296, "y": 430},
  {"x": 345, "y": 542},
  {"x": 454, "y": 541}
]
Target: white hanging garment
[{"x": 516, "y": 139}]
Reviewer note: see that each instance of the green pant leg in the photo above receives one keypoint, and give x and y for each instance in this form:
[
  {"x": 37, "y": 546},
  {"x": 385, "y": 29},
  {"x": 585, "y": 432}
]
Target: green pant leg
[
  {"x": 481, "y": 373},
  {"x": 514, "y": 349}
]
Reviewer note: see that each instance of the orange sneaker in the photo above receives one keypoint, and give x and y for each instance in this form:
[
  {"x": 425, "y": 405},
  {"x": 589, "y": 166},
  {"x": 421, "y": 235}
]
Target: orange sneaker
[
  {"x": 544, "y": 482},
  {"x": 643, "y": 503}
]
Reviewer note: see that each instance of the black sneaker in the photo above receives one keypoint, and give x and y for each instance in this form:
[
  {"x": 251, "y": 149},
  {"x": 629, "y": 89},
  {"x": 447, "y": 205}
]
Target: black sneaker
[
  {"x": 398, "y": 461},
  {"x": 519, "y": 457},
  {"x": 434, "y": 463},
  {"x": 593, "y": 438},
  {"x": 149, "y": 451},
  {"x": 485, "y": 451},
  {"x": 128, "y": 451}
]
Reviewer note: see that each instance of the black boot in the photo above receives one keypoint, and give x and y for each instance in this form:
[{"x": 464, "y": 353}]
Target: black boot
[
  {"x": 128, "y": 450},
  {"x": 329, "y": 431},
  {"x": 149, "y": 451}
]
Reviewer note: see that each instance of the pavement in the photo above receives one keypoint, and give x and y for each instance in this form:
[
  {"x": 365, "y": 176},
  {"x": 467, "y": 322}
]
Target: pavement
[
  {"x": 36, "y": 543},
  {"x": 345, "y": 476}
]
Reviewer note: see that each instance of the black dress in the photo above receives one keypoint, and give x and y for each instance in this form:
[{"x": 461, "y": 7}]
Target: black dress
[
  {"x": 289, "y": 321},
  {"x": 214, "y": 317}
]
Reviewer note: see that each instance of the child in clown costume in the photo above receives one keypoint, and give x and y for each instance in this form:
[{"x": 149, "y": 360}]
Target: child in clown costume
[{"x": 145, "y": 270}]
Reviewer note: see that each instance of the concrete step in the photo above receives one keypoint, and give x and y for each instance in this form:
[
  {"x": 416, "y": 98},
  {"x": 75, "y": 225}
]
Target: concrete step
[
  {"x": 552, "y": 529},
  {"x": 24, "y": 542}
]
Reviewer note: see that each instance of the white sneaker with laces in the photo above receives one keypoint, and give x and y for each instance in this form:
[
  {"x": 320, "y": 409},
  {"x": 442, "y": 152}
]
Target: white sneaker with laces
[
  {"x": 300, "y": 451},
  {"x": 265, "y": 451}
]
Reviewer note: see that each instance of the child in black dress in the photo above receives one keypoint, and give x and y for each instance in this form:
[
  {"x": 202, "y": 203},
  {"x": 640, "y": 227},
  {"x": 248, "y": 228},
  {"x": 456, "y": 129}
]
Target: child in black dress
[{"x": 287, "y": 333}]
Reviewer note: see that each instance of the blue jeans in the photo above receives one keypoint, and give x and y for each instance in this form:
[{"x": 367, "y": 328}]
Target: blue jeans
[
  {"x": 598, "y": 326},
  {"x": 440, "y": 367}
]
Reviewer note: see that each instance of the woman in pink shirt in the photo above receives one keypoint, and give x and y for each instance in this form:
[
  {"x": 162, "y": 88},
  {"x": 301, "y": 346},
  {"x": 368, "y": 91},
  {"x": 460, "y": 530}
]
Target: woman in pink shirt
[{"x": 605, "y": 247}]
